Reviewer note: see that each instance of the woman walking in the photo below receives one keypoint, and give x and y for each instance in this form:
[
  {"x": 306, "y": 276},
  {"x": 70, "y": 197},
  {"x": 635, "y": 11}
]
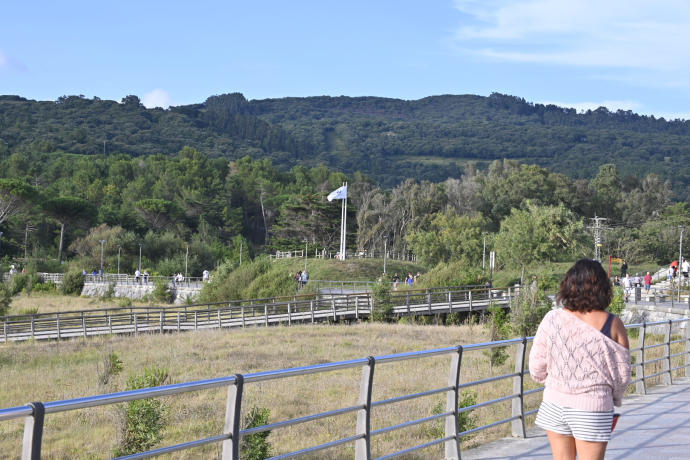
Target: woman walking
[{"x": 582, "y": 356}]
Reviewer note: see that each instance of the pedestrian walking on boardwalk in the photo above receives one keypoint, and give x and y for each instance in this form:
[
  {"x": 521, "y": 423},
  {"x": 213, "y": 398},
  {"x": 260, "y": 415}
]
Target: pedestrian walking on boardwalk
[{"x": 582, "y": 356}]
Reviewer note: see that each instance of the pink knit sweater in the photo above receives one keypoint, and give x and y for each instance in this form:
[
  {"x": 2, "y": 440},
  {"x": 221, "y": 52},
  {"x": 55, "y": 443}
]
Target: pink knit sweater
[{"x": 580, "y": 367}]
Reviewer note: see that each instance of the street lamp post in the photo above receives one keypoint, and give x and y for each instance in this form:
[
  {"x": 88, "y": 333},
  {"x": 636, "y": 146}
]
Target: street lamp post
[
  {"x": 306, "y": 255},
  {"x": 484, "y": 252},
  {"x": 140, "y": 244},
  {"x": 385, "y": 252},
  {"x": 102, "y": 244},
  {"x": 186, "y": 259},
  {"x": 680, "y": 260},
  {"x": 118, "y": 261}
]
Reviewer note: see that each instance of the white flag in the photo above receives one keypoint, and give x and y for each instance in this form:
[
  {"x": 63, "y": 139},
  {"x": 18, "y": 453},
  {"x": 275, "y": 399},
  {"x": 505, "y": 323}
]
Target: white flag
[{"x": 338, "y": 194}]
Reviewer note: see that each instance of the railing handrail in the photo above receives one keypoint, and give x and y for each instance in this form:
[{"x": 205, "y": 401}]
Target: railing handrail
[
  {"x": 257, "y": 302},
  {"x": 363, "y": 434}
]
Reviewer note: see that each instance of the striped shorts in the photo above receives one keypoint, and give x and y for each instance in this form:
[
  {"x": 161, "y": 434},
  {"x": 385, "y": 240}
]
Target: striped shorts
[{"x": 580, "y": 424}]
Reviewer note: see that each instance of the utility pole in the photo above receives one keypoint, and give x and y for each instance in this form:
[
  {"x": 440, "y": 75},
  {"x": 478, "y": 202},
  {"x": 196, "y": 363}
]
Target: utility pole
[
  {"x": 102, "y": 243},
  {"x": 186, "y": 258},
  {"x": 306, "y": 242},
  {"x": 140, "y": 256},
  {"x": 385, "y": 252},
  {"x": 597, "y": 228},
  {"x": 680, "y": 260},
  {"x": 484, "y": 252},
  {"x": 118, "y": 262}
]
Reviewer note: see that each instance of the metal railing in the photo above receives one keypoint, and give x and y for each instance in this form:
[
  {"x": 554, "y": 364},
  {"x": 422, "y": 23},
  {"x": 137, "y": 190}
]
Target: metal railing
[
  {"x": 34, "y": 413},
  {"x": 242, "y": 313}
]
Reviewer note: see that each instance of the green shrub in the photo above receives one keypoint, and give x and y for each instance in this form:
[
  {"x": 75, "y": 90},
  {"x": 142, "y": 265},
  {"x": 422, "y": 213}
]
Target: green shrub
[
  {"x": 256, "y": 446},
  {"x": 124, "y": 302},
  {"x": 499, "y": 329},
  {"x": 453, "y": 319},
  {"x": 111, "y": 366},
  {"x": 162, "y": 292},
  {"x": 466, "y": 420},
  {"x": 72, "y": 283},
  {"x": 5, "y": 298},
  {"x": 452, "y": 274},
  {"x": 382, "y": 308},
  {"x": 528, "y": 309},
  {"x": 143, "y": 420},
  {"x": 618, "y": 301},
  {"x": 46, "y": 287}
]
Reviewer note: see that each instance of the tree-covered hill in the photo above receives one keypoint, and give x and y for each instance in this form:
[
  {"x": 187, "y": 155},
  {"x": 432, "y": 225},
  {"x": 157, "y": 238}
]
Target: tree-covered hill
[{"x": 389, "y": 139}]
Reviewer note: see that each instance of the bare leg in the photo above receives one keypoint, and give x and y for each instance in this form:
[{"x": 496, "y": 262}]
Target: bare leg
[
  {"x": 562, "y": 446},
  {"x": 588, "y": 450}
]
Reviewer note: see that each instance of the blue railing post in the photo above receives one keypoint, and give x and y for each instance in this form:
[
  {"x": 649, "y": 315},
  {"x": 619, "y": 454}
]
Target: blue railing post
[
  {"x": 686, "y": 335},
  {"x": 363, "y": 445},
  {"x": 518, "y": 404},
  {"x": 641, "y": 385},
  {"x": 668, "y": 377},
  {"x": 33, "y": 432},
  {"x": 452, "y": 401},
  {"x": 233, "y": 411}
]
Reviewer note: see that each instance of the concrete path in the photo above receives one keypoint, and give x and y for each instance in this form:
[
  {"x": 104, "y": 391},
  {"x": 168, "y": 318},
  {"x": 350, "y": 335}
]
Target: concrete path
[{"x": 653, "y": 426}]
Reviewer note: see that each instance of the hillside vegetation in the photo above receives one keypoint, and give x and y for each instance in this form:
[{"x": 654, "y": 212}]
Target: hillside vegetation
[{"x": 392, "y": 139}]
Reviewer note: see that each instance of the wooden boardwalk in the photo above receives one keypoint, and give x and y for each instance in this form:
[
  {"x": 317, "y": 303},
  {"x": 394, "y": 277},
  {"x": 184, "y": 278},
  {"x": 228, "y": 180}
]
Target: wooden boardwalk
[
  {"x": 652, "y": 426},
  {"x": 304, "y": 309}
]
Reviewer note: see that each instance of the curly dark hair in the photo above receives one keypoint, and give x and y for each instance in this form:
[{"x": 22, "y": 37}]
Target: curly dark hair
[{"x": 586, "y": 287}]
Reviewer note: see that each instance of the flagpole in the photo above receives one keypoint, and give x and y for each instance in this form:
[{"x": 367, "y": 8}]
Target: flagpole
[
  {"x": 342, "y": 218},
  {"x": 345, "y": 223}
]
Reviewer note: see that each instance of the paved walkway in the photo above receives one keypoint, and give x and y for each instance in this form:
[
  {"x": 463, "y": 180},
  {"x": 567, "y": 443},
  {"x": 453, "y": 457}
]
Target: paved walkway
[{"x": 653, "y": 426}]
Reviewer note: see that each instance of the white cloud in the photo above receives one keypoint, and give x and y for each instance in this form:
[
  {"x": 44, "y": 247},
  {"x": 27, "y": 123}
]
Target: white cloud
[
  {"x": 613, "y": 33},
  {"x": 157, "y": 98}
]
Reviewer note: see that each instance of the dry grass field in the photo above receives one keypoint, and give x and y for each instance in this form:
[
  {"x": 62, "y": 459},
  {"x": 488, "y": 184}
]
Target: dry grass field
[
  {"x": 49, "y": 371},
  {"x": 57, "y": 303},
  {"x": 45, "y": 371}
]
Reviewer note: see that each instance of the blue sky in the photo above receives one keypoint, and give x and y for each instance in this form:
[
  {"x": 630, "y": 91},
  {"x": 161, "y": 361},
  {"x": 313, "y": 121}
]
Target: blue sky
[{"x": 633, "y": 55}]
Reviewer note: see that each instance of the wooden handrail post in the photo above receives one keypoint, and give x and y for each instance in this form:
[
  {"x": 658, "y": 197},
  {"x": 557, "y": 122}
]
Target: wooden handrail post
[
  {"x": 233, "y": 413},
  {"x": 518, "y": 404},
  {"x": 452, "y": 446},
  {"x": 33, "y": 432},
  {"x": 363, "y": 445}
]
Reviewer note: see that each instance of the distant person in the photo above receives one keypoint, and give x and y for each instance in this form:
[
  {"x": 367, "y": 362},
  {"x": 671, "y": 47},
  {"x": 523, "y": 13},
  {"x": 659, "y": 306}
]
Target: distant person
[
  {"x": 205, "y": 276},
  {"x": 624, "y": 269},
  {"x": 684, "y": 268},
  {"x": 417, "y": 276},
  {"x": 146, "y": 277},
  {"x": 627, "y": 286},
  {"x": 409, "y": 280},
  {"x": 94, "y": 275},
  {"x": 137, "y": 276},
  {"x": 396, "y": 280},
  {"x": 304, "y": 278},
  {"x": 580, "y": 354},
  {"x": 637, "y": 280},
  {"x": 647, "y": 282}
]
